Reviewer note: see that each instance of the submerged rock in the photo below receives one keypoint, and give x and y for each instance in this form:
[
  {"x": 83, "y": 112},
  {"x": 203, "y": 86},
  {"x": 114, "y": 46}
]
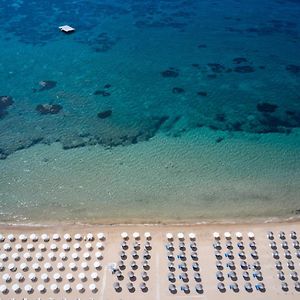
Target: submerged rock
[
  {"x": 45, "y": 109},
  {"x": 294, "y": 69},
  {"x": 5, "y": 102},
  {"x": 239, "y": 60},
  {"x": 201, "y": 93},
  {"x": 104, "y": 114},
  {"x": 171, "y": 72},
  {"x": 102, "y": 93},
  {"x": 244, "y": 69},
  {"x": 47, "y": 85},
  {"x": 216, "y": 68},
  {"x": 178, "y": 90},
  {"x": 266, "y": 107}
]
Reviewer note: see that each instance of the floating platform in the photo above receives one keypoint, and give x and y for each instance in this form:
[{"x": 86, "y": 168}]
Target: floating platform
[{"x": 66, "y": 29}]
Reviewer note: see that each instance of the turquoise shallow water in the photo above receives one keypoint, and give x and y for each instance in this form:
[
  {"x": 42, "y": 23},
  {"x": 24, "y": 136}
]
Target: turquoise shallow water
[{"x": 152, "y": 110}]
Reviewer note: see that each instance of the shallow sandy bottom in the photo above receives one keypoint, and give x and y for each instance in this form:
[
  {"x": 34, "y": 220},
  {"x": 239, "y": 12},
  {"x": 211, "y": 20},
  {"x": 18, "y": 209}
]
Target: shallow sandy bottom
[
  {"x": 167, "y": 179},
  {"x": 157, "y": 282}
]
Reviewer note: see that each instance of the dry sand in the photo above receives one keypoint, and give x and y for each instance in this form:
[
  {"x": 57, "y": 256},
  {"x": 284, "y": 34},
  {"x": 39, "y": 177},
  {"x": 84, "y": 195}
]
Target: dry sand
[{"x": 158, "y": 273}]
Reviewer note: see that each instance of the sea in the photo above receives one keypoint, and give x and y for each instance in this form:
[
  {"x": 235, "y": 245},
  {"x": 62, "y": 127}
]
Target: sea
[{"x": 150, "y": 111}]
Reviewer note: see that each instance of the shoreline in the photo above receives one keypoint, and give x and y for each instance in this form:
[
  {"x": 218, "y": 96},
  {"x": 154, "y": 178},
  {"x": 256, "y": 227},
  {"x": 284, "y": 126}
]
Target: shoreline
[{"x": 252, "y": 222}]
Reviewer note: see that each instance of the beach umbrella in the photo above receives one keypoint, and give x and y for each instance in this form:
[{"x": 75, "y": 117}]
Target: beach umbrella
[
  {"x": 75, "y": 256},
  {"x": 297, "y": 253},
  {"x": 273, "y": 245},
  {"x": 67, "y": 288},
  {"x": 143, "y": 286},
  {"x": 248, "y": 287},
  {"x": 6, "y": 277},
  {"x": 32, "y": 277},
  {"x": 86, "y": 255},
  {"x": 231, "y": 265},
  {"x": 56, "y": 237},
  {"x": 294, "y": 275},
  {"x": 227, "y": 235},
  {"x": 217, "y": 245},
  {"x": 284, "y": 286},
  {"x": 232, "y": 275},
  {"x": 197, "y": 277},
  {"x": 73, "y": 266},
  {"x": 148, "y": 246},
  {"x": 66, "y": 247},
  {"x": 252, "y": 245},
  {"x": 136, "y": 235},
  {"x": 124, "y": 235},
  {"x": 180, "y": 236},
  {"x": 260, "y": 286},
  {"x": 22, "y": 237},
  {"x": 137, "y": 246},
  {"x": 90, "y": 237},
  {"x": 216, "y": 235},
  {"x": 284, "y": 245},
  {"x": 199, "y": 288},
  {"x": 240, "y": 245},
  {"x": 11, "y": 238},
  {"x": 242, "y": 255},
  {"x": 51, "y": 256},
  {"x": 182, "y": 246},
  {"x": 193, "y": 246},
  {"x": 53, "y": 247},
  {"x": 194, "y": 255},
  {"x": 78, "y": 237},
  {"x": 244, "y": 265},
  {"x": 270, "y": 235},
  {"x": 95, "y": 276},
  {"x": 171, "y": 277},
  {"x": 246, "y": 275},
  {"x": 70, "y": 277},
  {"x": 93, "y": 287},
  {"x": 16, "y": 288},
  {"x": 7, "y": 247},
  {"x": 76, "y": 246},
  {"x": 89, "y": 246},
  {"x": 30, "y": 247},
  {"x": 282, "y": 235},
  {"x": 23, "y": 267},
  {"x": 219, "y": 265},
  {"x": 42, "y": 247},
  {"x": 27, "y": 256},
  {"x": 67, "y": 237},
  {"x": 220, "y": 275},
  {"x": 278, "y": 265},
  {"x": 291, "y": 264},
  {"x": 287, "y": 254},
  {"x": 60, "y": 266},
  {"x": 101, "y": 236},
  {"x": 3, "y": 257},
  {"x": 185, "y": 288},
  {"x": 12, "y": 267},
  {"x": 256, "y": 265},
  {"x": 145, "y": 276},
  {"x": 54, "y": 288},
  {"x": 45, "y": 237},
  {"x": 36, "y": 267},
  {"x": 41, "y": 288},
  {"x": 57, "y": 277},
  {"x": 48, "y": 266},
  {"x": 170, "y": 247},
  {"x": 82, "y": 276},
  {"x": 130, "y": 286},
  {"x": 296, "y": 244},
  {"x": 297, "y": 286},
  {"x": 147, "y": 235},
  {"x": 116, "y": 285},
  {"x": 234, "y": 286},
  {"x": 172, "y": 288},
  {"x": 218, "y": 254},
  {"x": 192, "y": 236},
  {"x": 229, "y": 245},
  {"x": 251, "y": 235},
  {"x": 281, "y": 275},
  {"x": 293, "y": 235},
  {"x": 169, "y": 236},
  {"x": 45, "y": 277},
  {"x": 63, "y": 256},
  {"x": 84, "y": 265},
  {"x": 28, "y": 288},
  {"x": 239, "y": 235},
  {"x": 33, "y": 237},
  {"x": 97, "y": 265},
  {"x": 275, "y": 254},
  {"x": 99, "y": 255},
  {"x": 2, "y": 267},
  {"x": 134, "y": 254},
  {"x": 2, "y": 238},
  {"x": 19, "y": 277},
  {"x": 99, "y": 246},
  {"x": 18, "y": 247}
]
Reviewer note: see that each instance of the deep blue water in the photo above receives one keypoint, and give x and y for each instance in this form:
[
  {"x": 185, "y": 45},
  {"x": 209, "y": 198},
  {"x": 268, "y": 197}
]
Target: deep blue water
[{"x": 135, "y": 69}]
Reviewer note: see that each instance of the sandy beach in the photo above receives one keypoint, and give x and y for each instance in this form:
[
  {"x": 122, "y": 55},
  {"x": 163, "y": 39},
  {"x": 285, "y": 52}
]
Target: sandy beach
[{"x": 98, "y": 248}]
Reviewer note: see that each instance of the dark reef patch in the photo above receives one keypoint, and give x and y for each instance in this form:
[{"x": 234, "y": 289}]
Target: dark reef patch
[
  {"x": 46, "y": 85},
  {"x": 244, "y": 69},
  {"x": 104, "y": 114},
  {"x": 293, "y": 69},
  {"x": 216, "y": 68},
  {"x": 201, "y": 46},
  {"x": 266, "y": 107},
  {"x": 102, "y": 93},
  {"x": 45, "y": 109},
  {"x": 239, "y": 60},
  {"x": 170, "y": 73},
  {"x": 202, "y": 94},
  {"x": 178, "y": 90},
  {"x": 5, "y": 102}
]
